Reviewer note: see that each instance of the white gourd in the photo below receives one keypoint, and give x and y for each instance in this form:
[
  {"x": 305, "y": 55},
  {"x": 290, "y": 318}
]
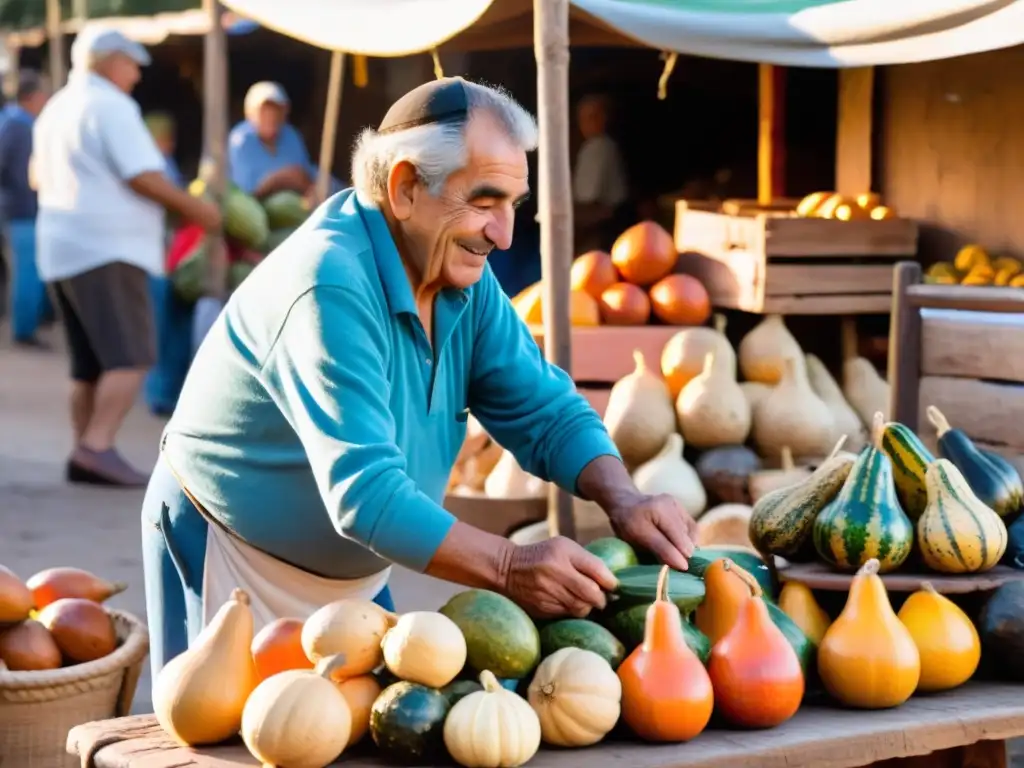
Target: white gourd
[
  {"x": 792, "y": 415},
  {"x": 684, "y": 353},
  {"x": 712, "y": 410},
  {"x": 865, "y": 390},
  {"x": 577, "y": 697},
  {"x": 764, "y": 350},
  {"x": 670, "y": 473},
  {"x": 725, "y": 525},
  {"x": 425, "y": 647},
  {"x": 352, "y": 628},
  {"x": 845, "y": 420},
  {"x": 508, "y": 480},
  {"x": 639, "y": 415},
  {"x": 297, "y": 719},
  {"x": 755, "y": 392},
  {"x": 492, "y": 728}
]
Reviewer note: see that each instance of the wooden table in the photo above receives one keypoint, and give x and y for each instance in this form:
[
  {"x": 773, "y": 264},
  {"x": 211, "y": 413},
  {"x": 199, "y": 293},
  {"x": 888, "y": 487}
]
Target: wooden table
[{"x": 965, "y": 727}]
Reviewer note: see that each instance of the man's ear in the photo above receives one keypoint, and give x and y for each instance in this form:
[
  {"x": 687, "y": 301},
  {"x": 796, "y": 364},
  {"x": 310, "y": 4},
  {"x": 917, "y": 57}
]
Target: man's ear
[{"x": 403, "y": 184}]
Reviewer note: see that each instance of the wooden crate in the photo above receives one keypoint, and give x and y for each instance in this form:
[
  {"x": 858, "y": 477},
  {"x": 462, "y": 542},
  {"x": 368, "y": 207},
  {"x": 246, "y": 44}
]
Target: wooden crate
[{"x": 780, "y": 263}]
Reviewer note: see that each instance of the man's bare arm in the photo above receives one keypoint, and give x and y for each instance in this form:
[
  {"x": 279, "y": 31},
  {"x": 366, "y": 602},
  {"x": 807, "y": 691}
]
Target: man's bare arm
[
  {"x": 293, "y": 178},
  {"x": 472, "y": 557},
  {"x": 158, "y": 188}
]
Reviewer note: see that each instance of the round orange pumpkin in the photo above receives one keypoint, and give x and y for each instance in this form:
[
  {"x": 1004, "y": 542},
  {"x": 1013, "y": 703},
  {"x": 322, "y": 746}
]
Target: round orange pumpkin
[
  {"x": 594, "y": 273},
  {"x": 278, "y": 647},
  {"x": 680, "y": 300},
  {"x": 624, "y": 304},
  {"x": 644, "y": 253}
]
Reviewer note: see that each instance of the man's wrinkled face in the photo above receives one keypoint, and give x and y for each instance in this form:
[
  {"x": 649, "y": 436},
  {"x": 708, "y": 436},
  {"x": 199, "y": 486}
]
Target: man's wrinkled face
[
  {"x": 451, "y": 234},
  {"x": 269, "y": 119},
  {"x": 592, "y": 118},
  {"x": 122, "y": 70}
]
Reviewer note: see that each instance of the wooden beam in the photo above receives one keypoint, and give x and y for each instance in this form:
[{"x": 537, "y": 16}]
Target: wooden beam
[
  {"x": 328, "y": 137},
  {"x": 58, "y": 67},
  {"x": 853, "y": 130},
  {"x": 554, "y": 190},
  {"x": 771, "y": 134},
  {"x": 215, "y": 135}
]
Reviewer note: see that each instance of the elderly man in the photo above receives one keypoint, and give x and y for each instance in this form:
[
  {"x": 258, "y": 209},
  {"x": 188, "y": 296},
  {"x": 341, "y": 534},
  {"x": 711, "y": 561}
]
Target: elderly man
[
  {"x": 314, "y": 436},
  {"x": 102, "y": 195},
  {"x": 18, "y": 206}
]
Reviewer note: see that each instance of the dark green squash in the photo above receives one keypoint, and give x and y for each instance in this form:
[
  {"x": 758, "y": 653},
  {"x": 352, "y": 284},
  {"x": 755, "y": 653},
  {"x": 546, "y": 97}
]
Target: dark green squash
[
  {"x": 1001, "y": 629},
  {"x": 407, "y": 723},
  {"x": 459, "y": 689},
  {"x": 615, "y": 553},
  {"x": 748, "y": 559},
  {"x": 992, "y": 478},
  {"x": 627, "y": 624},
  {"x": 581, "y": 633},
  {"x": 1014, "y": 554},
  {"x": 639, "y": 585}
]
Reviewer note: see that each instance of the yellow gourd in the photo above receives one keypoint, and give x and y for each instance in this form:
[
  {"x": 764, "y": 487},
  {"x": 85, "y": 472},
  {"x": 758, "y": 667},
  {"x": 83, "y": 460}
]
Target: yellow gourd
[
  {"x": 764, "y": 350},
  {"x": 639, "y": 416},
  {"x": 353, "y": 628},
  {"x": 865, "y": 390},
  {"x": 198, "y": 697},
  {"x": 577, "y": 697},
  {"x": 797, "y": 601},
  {"x": 712, "y": 410},
  {"x": 298, "y": 718},
  {"x": 792, "y": 415},
  {"x": 492, "y": 728},
  {"x": 970, "y": 256},
  {"x": 945, "y": 638},
  {"x": 845, "y": 420},
  {"x": 867, "y": 658},
  {"x": 670, "y": 473},
  {"x": 360, "y": 693},
  {"x": 809, "y": 205},
  {"x": 425, "y": 647}
]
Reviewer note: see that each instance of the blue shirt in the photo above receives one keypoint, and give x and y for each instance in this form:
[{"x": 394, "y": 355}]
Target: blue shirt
[
  {"x": 319, "y": 424},
  {"x": 17, "y": 198},
  {"x": 250, "y": 160}
]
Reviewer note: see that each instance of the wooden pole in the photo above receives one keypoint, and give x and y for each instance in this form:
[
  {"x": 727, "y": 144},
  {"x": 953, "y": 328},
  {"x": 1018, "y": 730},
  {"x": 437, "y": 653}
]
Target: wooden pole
[
  {"x": 215, "y": 134},
  {"x": 771, "y": 139},
  {"x": 335, "y": 84},
  {"x": 58, "y": 68},
  {"x": 554, "y": 193},
  {"x": 854, "y": 130}
]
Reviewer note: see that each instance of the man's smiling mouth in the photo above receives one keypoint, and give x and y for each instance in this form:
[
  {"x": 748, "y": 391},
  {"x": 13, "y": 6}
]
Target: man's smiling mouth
[{"x": 475, "y": 251}]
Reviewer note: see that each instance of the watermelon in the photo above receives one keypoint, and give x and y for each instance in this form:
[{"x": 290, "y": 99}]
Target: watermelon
[
  {"x": 639, "y": 584},
  {"x": 244, "y": 219},
  {"x": 500, "y": 636},
  {"x": 275, "y": 238},
  {"x": 407, "y": 723},
  {"x": 237, "y": 272},
  {"x": 581, "y": 633},
  {"x": 615, "y": 553},
  {"x": 285, "y": 209},
  {"x": 746, "y": 558},
  {"x": 627, "y": 624}
]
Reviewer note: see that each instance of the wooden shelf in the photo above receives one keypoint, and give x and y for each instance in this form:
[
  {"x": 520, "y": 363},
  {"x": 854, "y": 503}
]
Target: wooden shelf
[
  {"x": 605, "y": 353},
  {"x": 820, "y": 576}
]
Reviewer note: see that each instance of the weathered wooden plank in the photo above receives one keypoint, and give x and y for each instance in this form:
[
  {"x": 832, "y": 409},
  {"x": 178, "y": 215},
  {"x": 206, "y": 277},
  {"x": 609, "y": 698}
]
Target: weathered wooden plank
[
  {"x": 986, "y": 412},
  {"x": 829, "y": 237},
  {"x": 856, "y": 304},
  {"x": 981, "y": 345},
  {"x": 818, "y": 736},
  {"x": 820, "y": 576},
  {"x": 605, "y": 354},
  {"x": 904, "y": 364},
  {"x": 795, "y": 280},
  {"x": 976, "y": 298},
  {"x": 733, "y": 279}
]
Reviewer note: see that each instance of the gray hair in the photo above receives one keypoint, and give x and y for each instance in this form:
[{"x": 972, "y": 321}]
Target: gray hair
[{"x": 437, "y": 150}]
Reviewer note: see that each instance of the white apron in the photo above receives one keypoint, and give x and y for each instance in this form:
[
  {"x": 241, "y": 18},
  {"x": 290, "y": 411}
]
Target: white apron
[{"x": 276, "y": 589}]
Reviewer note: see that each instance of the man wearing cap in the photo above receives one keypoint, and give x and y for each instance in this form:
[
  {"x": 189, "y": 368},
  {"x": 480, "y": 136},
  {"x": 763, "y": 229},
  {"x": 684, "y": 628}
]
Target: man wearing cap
[
  {"x": 266, "y": 154},
  {"x": 317, "y": 427},
  {"x": 102, "y": 195},
  {"x": 18, "y": 206}
]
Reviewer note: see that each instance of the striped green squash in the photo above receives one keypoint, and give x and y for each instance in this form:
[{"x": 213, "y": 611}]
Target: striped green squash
[
  {"x": 957, "y": 533},
  {"x": 865, "y": 520},
  {"x": 910, "y": 460}
]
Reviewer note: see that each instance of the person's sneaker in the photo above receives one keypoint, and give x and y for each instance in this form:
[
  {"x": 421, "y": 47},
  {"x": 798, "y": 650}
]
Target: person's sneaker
[{"x": 103, "y": 468}]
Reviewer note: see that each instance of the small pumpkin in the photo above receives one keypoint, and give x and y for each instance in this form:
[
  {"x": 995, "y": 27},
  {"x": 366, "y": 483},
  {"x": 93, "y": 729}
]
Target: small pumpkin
[
  {"x": 946, "y": 639},
  {"x": 577, "y": 697},
  {"x": 55, "y": 583},
  {"x": 15, "y": 598},
  {"x": 680, "y": 300},
  {"x": 28, "y": 647},
  {"x": 352, "y": 628},
  {"x": 492, "y": 728},
  {"x": 425, "y": 647},
  {"x": 624, "y": 304},
  {"x": 644, "y": 253},
  {"x": 278, "y": 647},
  {"x": 82, "y": 629},
  {"x": 593, "y": 273}
]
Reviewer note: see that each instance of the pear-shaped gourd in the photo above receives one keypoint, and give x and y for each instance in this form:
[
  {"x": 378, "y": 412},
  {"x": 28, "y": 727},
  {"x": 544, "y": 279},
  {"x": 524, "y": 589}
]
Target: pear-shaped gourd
[
  {"x": 682, "y": 358},
  {"x": 711, "y": 409},
  {"x": 867, "y": 658},
  {"x": 508, "y": 480},
  {"x": 797, "y": 601},
  {"x": 945, "y": 638},
  {"x": 764, "y": 350},
  {"x": 669, "y": 473},
  {"x": 199, "y": 696},
  {"x": 957, "y": 533},
  {"x": 793, "y": 415},
  {"x": 755, "y": 392},
  {"x": 639, "y": 416},
  {"x": 865, "y": 390},
  {"x": 845, "y": 420}
]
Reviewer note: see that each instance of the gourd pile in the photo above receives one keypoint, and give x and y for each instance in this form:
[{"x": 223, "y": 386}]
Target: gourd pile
[
  {"x": 55, "y": 619},
  {"x": 832, "y": 205},
  {"x": 974, "y": 266},
  {"x": 635, "y": 284}
]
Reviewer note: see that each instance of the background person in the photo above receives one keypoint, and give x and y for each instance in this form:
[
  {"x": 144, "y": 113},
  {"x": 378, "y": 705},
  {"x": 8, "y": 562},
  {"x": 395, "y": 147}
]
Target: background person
[
  {"x": 102, "y": 195},
  {"x": 599, "y": 183}
]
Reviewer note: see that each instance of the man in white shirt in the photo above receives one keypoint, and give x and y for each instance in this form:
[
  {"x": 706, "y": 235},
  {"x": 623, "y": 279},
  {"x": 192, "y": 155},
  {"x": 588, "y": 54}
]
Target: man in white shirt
[
  {"x": 102, "y": 195},
  {"x": 599, "y": 178}
]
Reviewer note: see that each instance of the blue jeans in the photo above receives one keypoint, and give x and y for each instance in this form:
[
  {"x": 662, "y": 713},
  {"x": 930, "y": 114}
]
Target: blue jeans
[
  {"x": 174, "y": 347},
  {"x": 173, "y": 554},
  {"x": 29, "y": 302}
]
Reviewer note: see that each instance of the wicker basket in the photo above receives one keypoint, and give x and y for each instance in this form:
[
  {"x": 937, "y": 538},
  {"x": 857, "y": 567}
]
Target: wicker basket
[{"x": 37, "y": 709}]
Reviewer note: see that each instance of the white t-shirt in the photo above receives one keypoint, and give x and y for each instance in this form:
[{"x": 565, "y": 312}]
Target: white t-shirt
[
  {"x": 88, "y": 141},
  {"x": 600, "y": 175}
]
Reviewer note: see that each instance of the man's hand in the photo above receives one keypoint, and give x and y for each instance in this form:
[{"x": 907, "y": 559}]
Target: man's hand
[
  {"x": 207, "y": 215},
  {"x": 557, "y": 578},
  {"x": 292, "y": 177},
  {"x": 658, "y": 524}
]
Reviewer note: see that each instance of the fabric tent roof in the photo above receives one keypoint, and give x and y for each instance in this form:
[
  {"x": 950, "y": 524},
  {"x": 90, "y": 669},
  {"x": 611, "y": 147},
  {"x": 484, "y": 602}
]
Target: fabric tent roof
[{"x": 814, "y": 33}]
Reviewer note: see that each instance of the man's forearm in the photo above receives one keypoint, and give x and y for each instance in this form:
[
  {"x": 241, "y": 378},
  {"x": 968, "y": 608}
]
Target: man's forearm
[
  {"x": 473, "y": 558},
  {"x": 606, "y": 482},
  {"x": 158, "y": 188},
  {"x": 284, "y": 179}
]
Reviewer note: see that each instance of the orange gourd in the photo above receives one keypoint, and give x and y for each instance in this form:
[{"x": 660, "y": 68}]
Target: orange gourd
[
  {"x": 867, "y": 658},
  {"x": 55, "y": 583},
  {"x": 725, "y": 592},
  {"x": 15, "y": 598},
  {"x": 82, "y": 629},
  {"x": 28, "y": 647},
  {"x": 644, "y": 253},
  {"x": 945, "y": 638},
  {"x": 593, "y": 273},
  {"x": 624, "y": 304},
  {"x": 666, "y": 692},
  {"x": 680, "y": 300},
  {"x": 754, "y": 670},
  {"x": 278, "y": 647}
]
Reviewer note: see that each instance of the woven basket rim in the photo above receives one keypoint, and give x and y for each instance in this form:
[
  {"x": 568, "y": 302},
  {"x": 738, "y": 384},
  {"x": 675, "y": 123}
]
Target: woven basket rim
[{"x": 133, "y": 649}]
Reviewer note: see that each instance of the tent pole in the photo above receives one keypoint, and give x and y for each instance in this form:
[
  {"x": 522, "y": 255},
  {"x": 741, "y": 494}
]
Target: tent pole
[
  {"x": 58, "y": 69},
  {"x": 554, "y": 190},
  {"x": 335, "y": 83},
  {"x": 215, "y": 134}
]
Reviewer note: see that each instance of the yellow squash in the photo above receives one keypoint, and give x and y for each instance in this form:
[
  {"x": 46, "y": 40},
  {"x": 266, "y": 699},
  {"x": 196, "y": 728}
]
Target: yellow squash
[
  {"x": 945, "y": 638},
  {"x": 797, "y": 601}
]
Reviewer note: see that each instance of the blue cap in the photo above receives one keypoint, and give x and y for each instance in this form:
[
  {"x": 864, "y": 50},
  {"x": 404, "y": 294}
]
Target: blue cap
[{"x": 99, "y": 40}]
